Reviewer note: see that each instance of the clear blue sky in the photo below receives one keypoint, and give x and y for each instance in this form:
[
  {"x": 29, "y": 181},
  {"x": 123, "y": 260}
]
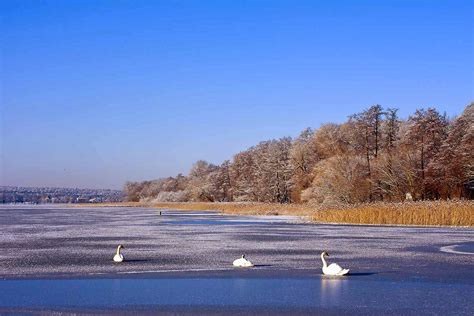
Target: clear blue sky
[{"x": 94, "y": 93}]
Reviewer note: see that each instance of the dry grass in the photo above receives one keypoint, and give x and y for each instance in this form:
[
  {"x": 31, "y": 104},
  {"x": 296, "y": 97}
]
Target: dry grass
[{"x": 425, "y": 213}]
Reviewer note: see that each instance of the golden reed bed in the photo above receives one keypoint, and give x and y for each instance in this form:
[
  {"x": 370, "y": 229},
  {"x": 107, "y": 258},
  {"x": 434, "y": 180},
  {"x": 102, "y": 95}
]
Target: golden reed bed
[{"x": 425, "y": 213}]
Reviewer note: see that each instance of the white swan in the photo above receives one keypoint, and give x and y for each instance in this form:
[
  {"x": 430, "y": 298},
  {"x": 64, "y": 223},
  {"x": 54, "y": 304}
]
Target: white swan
[
  {"x": 242, "y": 262},
  {"x": 118, "y": 256},
  {"x": 333, "y": 268}
]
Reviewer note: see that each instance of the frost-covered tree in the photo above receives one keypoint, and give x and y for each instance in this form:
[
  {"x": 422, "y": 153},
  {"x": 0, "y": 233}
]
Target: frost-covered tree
[
  {"x": 339, "y": 179},
  {"x": 372, "y": 156},
  {"x": 453, "y": 166},
  {"x": 385, "y": 176},
  {"x": 219, "y": 184},
  {"x": 333, "y": 139},
  {"x": 243, "y": 176},
  {"x": 425, "y": 135},
  {"x": 200, "y": 186},
  {"x": 276, "y": 171},
  {"x": 367, "y": 133},
  {"x": 132, "y": 191},
  {"x": 263, "y": 173},
  {"x": 303, "y": 157},
  {"x": 390, "y": 130}
]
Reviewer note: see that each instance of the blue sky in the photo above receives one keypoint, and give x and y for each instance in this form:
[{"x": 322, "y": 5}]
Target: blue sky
[{"x": 95, "y": 93}]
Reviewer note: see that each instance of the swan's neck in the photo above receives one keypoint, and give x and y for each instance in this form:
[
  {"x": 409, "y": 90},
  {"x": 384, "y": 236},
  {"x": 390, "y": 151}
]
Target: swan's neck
[
  {"x": 324, "y": 261},
  {"x": 118, "y": 250}
]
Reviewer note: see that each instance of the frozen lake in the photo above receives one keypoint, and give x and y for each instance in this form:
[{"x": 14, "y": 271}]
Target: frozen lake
[{"x": 59, "y": 259}]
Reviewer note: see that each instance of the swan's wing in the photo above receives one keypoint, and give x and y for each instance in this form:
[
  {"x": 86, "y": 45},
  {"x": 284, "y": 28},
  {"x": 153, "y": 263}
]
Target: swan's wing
[
  {"x": 344, "y": 272},
  {"x": 239, "y": 262},
  {"x": 334, "y": 268},
  {"x": 242, "y": 262},
  {"x": 118, "y": 258}
]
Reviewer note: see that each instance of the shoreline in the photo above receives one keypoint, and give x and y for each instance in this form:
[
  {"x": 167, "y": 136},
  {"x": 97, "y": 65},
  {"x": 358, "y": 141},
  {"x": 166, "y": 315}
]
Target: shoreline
[{"x": 412, "y": 214}]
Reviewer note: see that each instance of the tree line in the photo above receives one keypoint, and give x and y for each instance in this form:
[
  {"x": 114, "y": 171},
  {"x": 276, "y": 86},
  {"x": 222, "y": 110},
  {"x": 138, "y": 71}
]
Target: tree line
[{"x": 373, "y": 156}]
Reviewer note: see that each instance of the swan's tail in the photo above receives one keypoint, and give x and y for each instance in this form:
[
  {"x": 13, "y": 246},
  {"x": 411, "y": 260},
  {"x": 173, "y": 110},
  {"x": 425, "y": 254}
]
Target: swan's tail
[{"x": 344, "y": 272}]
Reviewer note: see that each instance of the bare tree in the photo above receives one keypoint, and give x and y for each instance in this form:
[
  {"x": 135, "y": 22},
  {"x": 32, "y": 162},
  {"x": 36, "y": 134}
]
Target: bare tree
[
  {"x": 303, "y": 157},
  {"x": 338, "y": 179},
  {"x": 374, "y": 155},
  {"x": 453, "y": 165},
  {"x": 425, "y": 135},
  {"x": 199, "y": 184},
  {"x": 243, "y": 176},
  {"x": 367, "y": 132}
]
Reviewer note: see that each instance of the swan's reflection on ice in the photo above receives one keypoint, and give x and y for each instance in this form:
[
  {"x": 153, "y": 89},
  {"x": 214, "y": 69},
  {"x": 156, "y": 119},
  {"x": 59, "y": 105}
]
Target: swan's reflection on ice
[{"x": 332, "y": 289}]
